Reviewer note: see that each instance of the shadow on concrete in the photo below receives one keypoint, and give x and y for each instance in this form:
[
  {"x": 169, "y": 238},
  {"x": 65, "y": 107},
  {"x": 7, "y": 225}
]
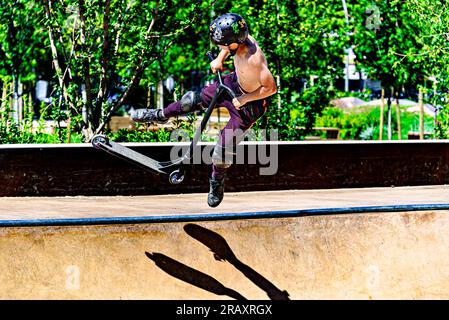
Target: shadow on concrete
[
  {"x": 222, "y": 252},
  {"x": 194, "y": 277}
]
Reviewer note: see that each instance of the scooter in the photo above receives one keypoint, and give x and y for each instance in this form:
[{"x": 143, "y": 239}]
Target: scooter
[{"x": 175, "y": 168}]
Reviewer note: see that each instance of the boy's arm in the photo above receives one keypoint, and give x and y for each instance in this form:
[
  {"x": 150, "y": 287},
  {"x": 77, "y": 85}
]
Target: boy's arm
[
  {"x": 217, "y": 63},
  {"x": 223, "y": 55},
  {"x": 267, "y": 88}
]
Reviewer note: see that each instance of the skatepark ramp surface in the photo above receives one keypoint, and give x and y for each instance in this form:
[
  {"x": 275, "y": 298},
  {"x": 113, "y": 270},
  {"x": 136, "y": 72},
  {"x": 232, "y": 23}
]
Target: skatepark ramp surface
[{"x": 371, "y": 243}]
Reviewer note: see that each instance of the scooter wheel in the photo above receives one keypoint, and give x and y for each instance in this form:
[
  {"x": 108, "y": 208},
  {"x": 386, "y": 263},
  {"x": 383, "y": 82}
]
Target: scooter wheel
[
  {"x": 99, "y": 140},
  {"x": 176, "y": 177}
]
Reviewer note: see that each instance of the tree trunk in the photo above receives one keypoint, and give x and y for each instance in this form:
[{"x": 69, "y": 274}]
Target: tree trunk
[
  {"x": 137, "y": 76},
  {"x": 4, "y": 101},
  {"x": 54, "y": 52},
  {"x": 421, "y": 115},
  {"x": 382, "y": 107},
  {"x": 15, "y": 99},
  {"x": 149, "y": 96},
  {"x": 278, "y": 63},
  {"x": 160, "y": 94},
  {"x": 87, "y": 90},
  {"x": 389, "y": 113},
  {"x": 398, "y": 114},
  {"x": 104, "y": 77}
]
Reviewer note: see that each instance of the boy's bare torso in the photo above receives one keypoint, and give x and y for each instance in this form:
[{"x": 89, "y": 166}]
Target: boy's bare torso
[{"x": 248, "y": 66}]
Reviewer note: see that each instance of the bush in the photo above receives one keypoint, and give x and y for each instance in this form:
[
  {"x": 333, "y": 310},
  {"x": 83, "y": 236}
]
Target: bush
[
  {"x": 24, "y": 131},
  {"x": 297, "y": 115},
  {"x": 187, "y": 127},
  {"x": 363, "y": 123}
]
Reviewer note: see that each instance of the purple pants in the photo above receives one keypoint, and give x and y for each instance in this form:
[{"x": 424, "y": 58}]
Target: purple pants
[{"x": 240, "y": 121}]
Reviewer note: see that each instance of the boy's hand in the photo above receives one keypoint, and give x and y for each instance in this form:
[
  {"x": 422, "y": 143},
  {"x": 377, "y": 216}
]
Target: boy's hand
[
  {"x": 216, "y": 64},
  {"x": 238, "y": 102}
]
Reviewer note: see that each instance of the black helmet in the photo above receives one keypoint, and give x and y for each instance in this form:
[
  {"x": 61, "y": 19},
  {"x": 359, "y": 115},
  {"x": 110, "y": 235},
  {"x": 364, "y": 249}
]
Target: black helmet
[{"x": 228, "y": 28}]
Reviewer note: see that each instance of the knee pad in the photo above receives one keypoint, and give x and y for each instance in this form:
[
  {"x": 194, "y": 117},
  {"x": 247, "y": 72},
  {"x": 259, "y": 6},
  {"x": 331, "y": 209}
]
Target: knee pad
[
  {"x": 191, "y": 101},
  {"x": 223, "y": 157}
]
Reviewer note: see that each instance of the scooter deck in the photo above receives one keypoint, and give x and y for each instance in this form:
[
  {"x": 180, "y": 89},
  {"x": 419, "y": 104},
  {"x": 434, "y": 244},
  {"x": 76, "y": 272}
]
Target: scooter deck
[{"x": 103, "y": 143}]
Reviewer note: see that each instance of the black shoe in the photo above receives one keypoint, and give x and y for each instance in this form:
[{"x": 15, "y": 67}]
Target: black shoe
[
  {"x": 148, "y": 116},
  {"x": 216, "y": 192}
]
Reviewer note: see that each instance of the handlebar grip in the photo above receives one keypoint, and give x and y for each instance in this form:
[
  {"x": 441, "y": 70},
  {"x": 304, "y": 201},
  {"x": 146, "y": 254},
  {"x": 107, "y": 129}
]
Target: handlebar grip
[
  {"x": 220, "y": 80},
  {"x": 211, "y": 58}
]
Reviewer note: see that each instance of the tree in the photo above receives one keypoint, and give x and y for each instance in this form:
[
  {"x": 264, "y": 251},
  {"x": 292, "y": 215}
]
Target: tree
[
  {"x": 432, "y": 21},
  {"x": 302, "y": 40},
  {"x": 385, "y": 44},
  {"x": 106, "y": 53},
  {"x": 98, "y": 46},
  {"x": 21, "y": 47},
  {"x": 384, "y": 40}
]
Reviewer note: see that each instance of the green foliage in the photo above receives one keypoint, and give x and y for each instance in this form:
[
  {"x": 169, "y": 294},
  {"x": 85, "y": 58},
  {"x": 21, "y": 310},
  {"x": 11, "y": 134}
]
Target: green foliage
[
  {"x": 22, "y": 41},
  {"x": 363, "y": 124},
  {"x": 124, "y": 135},
  {"x": 124, "y": 47},
  {"x": 183, "y": 131},
  {"x": 431, "y": 19},
  {"x": 296, "y": 117},
  {"x": 95, "y": 46},
  {"x": 385, "y": 42},
  {"x": 301, "y": 39},
  {"x": 28, "y": 131}
]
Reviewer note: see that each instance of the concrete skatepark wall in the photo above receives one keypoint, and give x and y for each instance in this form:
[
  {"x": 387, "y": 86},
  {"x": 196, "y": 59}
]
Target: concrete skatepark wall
[
  {"x": 71, "y": 170},
  {"x": 400, "y": 255}
]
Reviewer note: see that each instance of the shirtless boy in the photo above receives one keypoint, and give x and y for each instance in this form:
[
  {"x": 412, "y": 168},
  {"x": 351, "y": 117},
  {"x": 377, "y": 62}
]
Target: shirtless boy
[{"x": 252, "y": 83}]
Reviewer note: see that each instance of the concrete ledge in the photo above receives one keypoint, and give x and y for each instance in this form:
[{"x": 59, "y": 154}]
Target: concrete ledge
[
  {"x": 78, "y": 169},
  {"x": 222, "y": 216}
]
